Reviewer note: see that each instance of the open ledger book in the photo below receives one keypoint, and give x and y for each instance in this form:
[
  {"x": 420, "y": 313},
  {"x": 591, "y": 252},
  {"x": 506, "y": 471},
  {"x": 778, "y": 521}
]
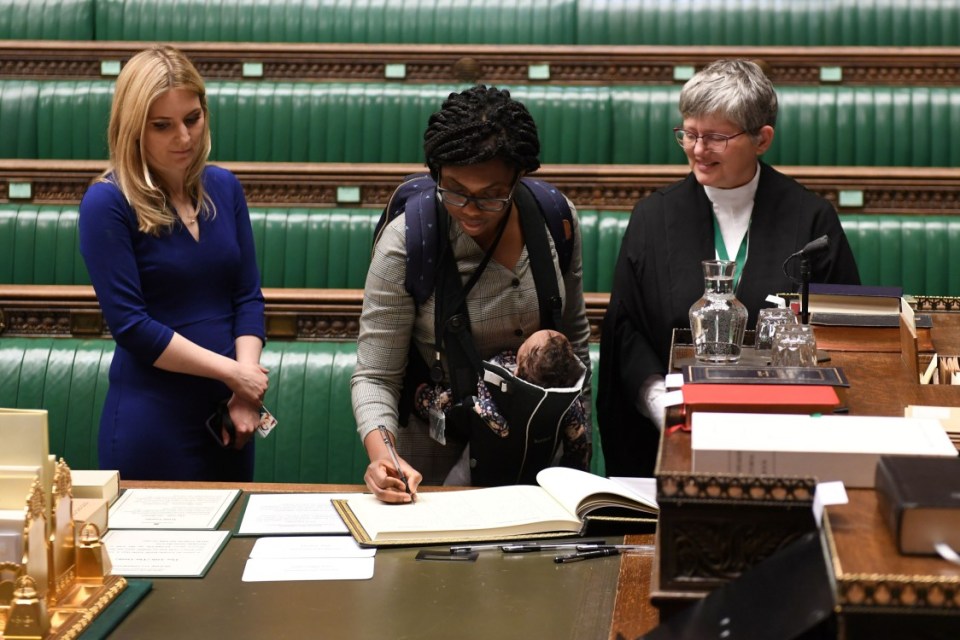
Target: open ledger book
[{"x": 557, "y": 507}]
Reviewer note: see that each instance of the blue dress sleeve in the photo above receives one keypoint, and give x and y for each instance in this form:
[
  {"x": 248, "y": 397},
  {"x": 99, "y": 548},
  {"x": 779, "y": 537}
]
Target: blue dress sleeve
[
  {"x": 106, "y": 228},
  {"x": 247, "y": 298}
]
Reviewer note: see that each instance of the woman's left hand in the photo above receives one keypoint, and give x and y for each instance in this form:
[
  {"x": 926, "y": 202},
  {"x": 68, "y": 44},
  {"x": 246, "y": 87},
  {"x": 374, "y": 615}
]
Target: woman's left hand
[{"x": 246, "y": 417}]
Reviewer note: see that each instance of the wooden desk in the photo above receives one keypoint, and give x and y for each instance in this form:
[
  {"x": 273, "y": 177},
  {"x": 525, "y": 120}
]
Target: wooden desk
[{"x": 499, "y": 596}]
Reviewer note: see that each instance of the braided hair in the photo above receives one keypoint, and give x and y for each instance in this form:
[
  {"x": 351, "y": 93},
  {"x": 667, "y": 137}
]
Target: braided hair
[{"x": 480, "y": 124}]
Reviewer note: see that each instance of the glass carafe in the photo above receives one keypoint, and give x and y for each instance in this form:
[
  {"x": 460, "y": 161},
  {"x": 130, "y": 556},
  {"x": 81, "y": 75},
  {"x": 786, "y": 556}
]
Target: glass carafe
[{"x": 718, "y": 319}]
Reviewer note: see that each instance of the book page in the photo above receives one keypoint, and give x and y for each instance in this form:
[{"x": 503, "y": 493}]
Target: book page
[
  {"x": 510, "y": 510},
  {"x": 581, "y": 492},
  {"x": 171, "y": 508},
  {"x": 166, "y": 554},
  {"x": 292, "y": 513}
]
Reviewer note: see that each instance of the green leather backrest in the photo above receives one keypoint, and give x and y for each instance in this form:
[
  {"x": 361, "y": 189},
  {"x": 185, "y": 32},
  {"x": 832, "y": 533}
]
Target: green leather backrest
[
  {"x": 38, "y": 245},
  {"x": 325, "y": 248},
  {"x": 315, "y": 439},
  {"x": 66, "y": 377},
  {"x": 394, "y": 21},
  {"x": 912, "y": 252},
  {"x": 46, "y": 19},
  {"x": 769, "y": 22},
  {"x": 354, "y": 122},
  {"x": 705, "y": 22},
  {"x": 330, "y": 248}
]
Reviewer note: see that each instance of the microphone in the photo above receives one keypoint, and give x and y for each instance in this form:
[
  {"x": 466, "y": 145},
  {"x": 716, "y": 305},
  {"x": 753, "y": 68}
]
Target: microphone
[{"x": 814, "y": 246}]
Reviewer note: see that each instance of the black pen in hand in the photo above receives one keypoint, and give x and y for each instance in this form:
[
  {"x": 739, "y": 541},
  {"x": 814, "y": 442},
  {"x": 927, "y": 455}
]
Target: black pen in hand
[
  {"x": 393, "y": 456},
  {"x": 586, "y": 555}
]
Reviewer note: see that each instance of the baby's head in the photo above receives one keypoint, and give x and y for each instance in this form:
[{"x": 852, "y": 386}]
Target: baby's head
[{"x": 547, "y": 360}]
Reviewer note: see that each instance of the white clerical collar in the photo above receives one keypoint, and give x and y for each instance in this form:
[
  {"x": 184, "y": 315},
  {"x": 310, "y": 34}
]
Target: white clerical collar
[{"x": 738, "y": 198}]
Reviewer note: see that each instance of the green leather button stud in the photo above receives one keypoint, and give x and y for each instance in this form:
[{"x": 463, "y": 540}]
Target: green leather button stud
[
  {"x": 348, "y": 194},
  {"x": 252, "y": 70},
  {"x": 850, "y": 198},
  {"x": 110, "y": 68},
  {"x": 19, "y": 190}
]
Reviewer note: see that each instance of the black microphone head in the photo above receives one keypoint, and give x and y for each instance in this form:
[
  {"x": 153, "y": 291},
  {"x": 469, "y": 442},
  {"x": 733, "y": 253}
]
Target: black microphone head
[{"x": 814, "y": 246}]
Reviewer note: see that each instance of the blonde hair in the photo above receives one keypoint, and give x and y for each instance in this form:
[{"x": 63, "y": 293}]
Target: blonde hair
[{"x": 143, "y": 79}]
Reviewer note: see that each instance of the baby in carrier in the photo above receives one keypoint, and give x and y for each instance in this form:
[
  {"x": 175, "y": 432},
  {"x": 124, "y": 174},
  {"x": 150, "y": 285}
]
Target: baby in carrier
[{"x": 545, "y": 359}]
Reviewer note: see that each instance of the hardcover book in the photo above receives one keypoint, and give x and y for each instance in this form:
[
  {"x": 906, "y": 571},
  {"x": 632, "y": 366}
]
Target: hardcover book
[
  {"x": 558, "y": 505},
  {"x": 854, "y": 299},
  {"x": 844, "y": 448},
  {"x": 745, "y": 398},
  {"x": 920, "y": 500}
]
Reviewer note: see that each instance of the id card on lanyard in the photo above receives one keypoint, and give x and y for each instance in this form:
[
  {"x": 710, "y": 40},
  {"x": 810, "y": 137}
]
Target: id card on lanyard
[{"x": 721, "y": 249}]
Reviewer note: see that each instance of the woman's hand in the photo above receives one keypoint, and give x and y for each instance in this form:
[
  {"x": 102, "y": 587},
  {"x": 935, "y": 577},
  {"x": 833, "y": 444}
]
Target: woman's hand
[
  {"x": 245, "y": 417},
  {"x": 384, "y": 482},
  {"x": 249, "y": 382}
]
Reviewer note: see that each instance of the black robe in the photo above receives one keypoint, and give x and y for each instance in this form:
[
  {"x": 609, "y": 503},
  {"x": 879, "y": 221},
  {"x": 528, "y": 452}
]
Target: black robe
[{"x": 659, "y": 276}]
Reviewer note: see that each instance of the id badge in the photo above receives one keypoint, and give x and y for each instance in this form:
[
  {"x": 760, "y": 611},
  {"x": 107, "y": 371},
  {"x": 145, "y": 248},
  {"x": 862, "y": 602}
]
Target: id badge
[
  {"x": 267, "y": 423},
  {"x": 438, "y": 426}
]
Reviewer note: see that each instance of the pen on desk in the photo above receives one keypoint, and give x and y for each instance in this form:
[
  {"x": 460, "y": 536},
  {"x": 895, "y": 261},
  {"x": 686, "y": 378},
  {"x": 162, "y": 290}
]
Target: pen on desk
[
  {"x": 393, "y": 456},
  {"x": 586, "y": 555},
  {"x": 524, "y": 546},
  {"x": 619, "y": 547}
]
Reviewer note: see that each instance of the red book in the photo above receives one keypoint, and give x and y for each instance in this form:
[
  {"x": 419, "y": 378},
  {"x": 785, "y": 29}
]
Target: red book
[{"x": 752, "y": 398}]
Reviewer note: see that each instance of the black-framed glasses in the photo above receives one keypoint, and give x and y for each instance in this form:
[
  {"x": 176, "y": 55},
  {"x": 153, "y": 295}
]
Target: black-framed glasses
[
  {"x": 716, "y": 142},
  {"x": 459, "y": 200}
]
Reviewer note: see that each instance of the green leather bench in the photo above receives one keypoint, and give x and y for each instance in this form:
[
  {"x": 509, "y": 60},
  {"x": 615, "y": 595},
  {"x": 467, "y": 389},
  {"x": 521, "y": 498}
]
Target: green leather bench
[
  {"x": 330, "y": 248},
  {"x": 769, "y": 22},
  {"x": 379, "y": 122},
  {"x": 315, "y": 441},
  {"x": 647, "y": 22},
  {"x": 47, "y": 19}
]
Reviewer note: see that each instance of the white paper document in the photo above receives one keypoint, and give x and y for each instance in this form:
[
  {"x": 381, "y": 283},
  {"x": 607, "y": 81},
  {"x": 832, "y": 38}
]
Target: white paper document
[
  {"x": 171, "y": 508},
  {"x": 292, "y": 514},
  {"x": 308, "y": 558},
  {"x": 163, "y": 554},
  {"x": 310, "y": 547}
]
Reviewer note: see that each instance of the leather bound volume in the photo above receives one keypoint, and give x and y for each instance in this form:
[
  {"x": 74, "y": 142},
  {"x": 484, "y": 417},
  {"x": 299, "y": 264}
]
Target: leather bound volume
[
  {"x": 747, "y": 398},
  {"x": 919, "y": 498}
]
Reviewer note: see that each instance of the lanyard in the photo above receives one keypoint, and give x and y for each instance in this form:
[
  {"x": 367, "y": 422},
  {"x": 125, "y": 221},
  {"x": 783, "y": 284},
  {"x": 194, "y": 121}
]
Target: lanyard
[{"x": 721, "y": 249}]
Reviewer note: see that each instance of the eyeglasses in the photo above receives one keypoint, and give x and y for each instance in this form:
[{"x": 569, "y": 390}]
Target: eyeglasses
[
  {"x": 715, "y": 142},
  {"x": 459, "y": 200}
]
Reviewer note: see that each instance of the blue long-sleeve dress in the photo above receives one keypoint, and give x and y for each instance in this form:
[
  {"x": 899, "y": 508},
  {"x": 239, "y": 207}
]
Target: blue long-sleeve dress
[{"x": 208, "y": 291}]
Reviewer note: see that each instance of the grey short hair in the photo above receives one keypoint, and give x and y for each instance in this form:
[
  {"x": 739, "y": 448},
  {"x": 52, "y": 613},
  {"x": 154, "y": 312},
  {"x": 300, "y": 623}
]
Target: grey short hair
[{"x": 734, "y": 89}]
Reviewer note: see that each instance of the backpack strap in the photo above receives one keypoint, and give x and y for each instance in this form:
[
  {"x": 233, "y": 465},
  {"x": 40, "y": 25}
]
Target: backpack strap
[
  {"x": 557, "y": 215},
  {"x": 541, "y": 261},
  {"x": 416, "y": 199}
]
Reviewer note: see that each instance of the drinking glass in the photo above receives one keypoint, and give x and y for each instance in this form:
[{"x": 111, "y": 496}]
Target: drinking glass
[
  {"x": 794, "y": 346},
  {"x": 768, "y": 322}
]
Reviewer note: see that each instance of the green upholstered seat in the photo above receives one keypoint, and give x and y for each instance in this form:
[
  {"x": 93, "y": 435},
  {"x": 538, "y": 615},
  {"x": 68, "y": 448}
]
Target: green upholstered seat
[
  {"x": 46, "y": 19},
  {"x": 769, "y": 22},
  {"x": 330, "y": 248},
  {"x": 315, "y": 440},
  {"x": 382, "y": 122}
]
